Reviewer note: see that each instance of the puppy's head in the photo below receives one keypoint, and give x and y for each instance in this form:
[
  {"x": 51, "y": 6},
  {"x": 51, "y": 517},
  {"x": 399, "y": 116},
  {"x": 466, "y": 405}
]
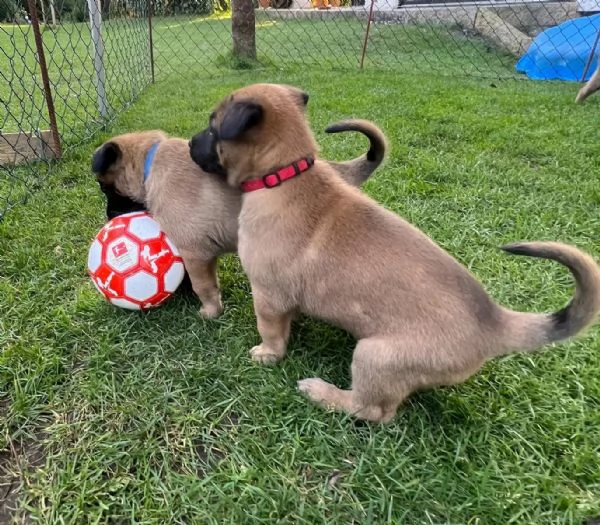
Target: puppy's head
[
  {"x": 119, "y": 168},
  {"x": 254, "y": 130}
]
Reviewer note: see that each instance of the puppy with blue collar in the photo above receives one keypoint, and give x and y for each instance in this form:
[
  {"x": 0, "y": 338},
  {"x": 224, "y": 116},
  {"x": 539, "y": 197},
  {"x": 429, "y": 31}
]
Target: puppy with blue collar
[{"x": 197, "y": 210}]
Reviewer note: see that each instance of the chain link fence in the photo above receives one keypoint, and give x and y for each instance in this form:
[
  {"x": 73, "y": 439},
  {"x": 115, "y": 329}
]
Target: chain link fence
[
  {"x": 60, "y": 80},
  {"x": 479, "y": 38},
  {"x": 69, "y": 66}
]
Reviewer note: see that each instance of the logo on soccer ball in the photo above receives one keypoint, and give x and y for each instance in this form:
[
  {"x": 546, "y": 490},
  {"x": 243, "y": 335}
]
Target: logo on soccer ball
[
  {"x": 133, "y": 264},
  {"x": 119, "y": 249}
]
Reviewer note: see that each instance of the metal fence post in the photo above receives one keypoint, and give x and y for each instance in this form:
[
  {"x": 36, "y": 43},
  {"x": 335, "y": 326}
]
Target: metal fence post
[
  {"x": 98, "y": 44},
  {"x": 149, "y": 10},
  {"x": 53, "y": 13},
  {"x": 369, "y": 22},
  {"x": 591, "y": 57},
  {"x": 39, "y": 46}
]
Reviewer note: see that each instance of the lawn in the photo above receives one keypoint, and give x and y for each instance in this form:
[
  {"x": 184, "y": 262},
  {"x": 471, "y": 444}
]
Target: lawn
[{"x": 116, "y": 417}]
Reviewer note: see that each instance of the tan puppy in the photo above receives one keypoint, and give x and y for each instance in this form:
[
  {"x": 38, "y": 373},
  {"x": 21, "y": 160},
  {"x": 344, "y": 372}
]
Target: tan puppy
[
  {"x": 313, "y": 244},
  {"x": 197, "y": 211}
]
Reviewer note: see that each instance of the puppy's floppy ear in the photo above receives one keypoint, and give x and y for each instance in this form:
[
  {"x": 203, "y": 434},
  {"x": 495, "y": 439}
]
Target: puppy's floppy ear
[
  {"x": 239, "y": 117},
  {"x": 300, "y": 94},
  {"x": 105, "y": 157}
]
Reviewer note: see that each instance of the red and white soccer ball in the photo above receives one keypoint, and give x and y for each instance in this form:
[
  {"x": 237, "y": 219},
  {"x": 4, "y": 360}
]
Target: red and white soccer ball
[{"x": 133, "y": 264}]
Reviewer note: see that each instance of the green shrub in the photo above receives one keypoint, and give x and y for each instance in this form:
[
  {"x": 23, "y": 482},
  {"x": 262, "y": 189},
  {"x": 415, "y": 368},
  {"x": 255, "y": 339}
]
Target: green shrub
[
  {"x": 183, "y": 7},
  {"x": 78, "y": 13},
  {"x": 9, "y": 11}
]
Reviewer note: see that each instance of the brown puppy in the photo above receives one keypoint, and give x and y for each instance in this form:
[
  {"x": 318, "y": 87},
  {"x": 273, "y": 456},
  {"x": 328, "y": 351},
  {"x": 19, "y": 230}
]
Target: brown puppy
[
  {"x": 197, "y": 211},
  {"x": 311, "y": 243}
]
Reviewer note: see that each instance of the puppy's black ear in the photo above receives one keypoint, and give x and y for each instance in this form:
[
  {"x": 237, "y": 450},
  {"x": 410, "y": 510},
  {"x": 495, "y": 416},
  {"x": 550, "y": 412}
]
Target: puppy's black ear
[
  {"x": 240, "y": 117},
  {"x": 301, "y": 95},
  {"x": 105, "y": 157}
]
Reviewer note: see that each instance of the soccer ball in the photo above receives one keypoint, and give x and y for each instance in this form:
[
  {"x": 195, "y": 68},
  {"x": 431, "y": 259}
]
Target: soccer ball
[{"x": 133, "y": 264}]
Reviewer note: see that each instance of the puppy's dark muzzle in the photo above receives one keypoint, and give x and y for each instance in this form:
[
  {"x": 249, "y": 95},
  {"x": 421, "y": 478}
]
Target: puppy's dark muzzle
[
  {"x": 203, "y": 150},
  {"x": 117, "y": 204}
]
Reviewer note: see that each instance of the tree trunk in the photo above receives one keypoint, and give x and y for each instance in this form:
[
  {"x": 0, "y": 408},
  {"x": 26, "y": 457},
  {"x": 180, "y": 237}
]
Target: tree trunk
[{"x": 243, "y": 29}]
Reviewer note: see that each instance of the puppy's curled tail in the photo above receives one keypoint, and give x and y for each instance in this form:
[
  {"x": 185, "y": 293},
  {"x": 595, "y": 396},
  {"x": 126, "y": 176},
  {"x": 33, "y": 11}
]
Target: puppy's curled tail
[
  {"x": 358, "y": 170},
  {"x": 529, "y": 331},
  {"x": 378, "y": 142}
]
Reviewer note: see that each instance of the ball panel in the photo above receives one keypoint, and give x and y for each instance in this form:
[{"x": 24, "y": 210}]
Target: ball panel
[
  {"x": 94, "y": 256},
  {"x": 131, "y": 214},
  {"x": 122, "y": 254},
  {"x": 96, "y": 285},
  {"x": 109, "y": 282},
  {"x": 144, "y": 228},
  {"x": 111, "y": 229},
  {"x": 141, "y": 286},
  {"x": 156, "y": 257},
  {"x": 174, "y": 276},
  {"x": 156, "y": 300},
  {"x": 172, "y": 246},
  {"x": 124, "y": 303}
]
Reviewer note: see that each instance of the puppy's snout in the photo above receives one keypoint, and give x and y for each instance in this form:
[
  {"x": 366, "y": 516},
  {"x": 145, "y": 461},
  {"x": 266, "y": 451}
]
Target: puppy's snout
[
  {"x": 117, "y": 203},
  {"x": 203, "y": 150}
]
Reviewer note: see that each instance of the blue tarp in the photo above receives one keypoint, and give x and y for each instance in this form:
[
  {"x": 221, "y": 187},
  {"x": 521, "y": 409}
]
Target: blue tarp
[{"x": 561, "y": 52}]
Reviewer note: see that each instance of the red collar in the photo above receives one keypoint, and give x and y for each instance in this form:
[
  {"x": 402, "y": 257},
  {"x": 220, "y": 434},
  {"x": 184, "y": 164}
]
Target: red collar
[{"x": 271, "y": 180}]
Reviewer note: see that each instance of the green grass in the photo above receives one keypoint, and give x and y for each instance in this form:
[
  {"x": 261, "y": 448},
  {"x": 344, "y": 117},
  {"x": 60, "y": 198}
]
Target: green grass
[{"x": 115, "y": 417}]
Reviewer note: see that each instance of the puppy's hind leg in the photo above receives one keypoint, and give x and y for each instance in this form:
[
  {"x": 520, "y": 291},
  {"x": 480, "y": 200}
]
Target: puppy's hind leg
[
  {"x": 591, "y": 86},
  {"x": 203, "y": 274},
  {"x": 377, "y": 384}
]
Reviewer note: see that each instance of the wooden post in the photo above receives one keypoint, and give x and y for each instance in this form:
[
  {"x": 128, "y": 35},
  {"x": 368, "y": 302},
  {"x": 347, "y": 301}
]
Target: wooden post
[{"x": 39, "y": 45}]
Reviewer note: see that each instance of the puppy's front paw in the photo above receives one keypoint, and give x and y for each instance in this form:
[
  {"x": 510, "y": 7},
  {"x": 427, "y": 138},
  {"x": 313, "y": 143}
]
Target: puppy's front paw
[
  {"x": 264, "y": 355},
  {"x": 211, "y": 311},
  {"x": 315, "y": 389}
]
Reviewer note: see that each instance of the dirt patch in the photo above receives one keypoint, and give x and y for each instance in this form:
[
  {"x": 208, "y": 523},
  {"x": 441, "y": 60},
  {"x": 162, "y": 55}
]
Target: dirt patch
[
  {"x": 14, "y": 461},
  {"x": 17, "y": 457}
]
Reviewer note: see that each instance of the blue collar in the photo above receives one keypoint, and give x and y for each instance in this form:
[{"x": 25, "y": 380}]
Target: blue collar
[{"x": 149, "y": 160}]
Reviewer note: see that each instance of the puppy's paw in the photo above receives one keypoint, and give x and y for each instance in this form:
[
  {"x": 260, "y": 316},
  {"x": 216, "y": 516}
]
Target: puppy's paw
[
  {"x": 264, "y": 355},
  {"x": 315, "y": 389},
  {"x": 211, "y": 311}
]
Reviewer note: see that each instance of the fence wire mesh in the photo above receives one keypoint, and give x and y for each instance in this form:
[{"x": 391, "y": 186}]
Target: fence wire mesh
[
  {"x": 27, "y": 141},
  {"x": 479, "y": 38},
  {"x": 99, "y": 61}
]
